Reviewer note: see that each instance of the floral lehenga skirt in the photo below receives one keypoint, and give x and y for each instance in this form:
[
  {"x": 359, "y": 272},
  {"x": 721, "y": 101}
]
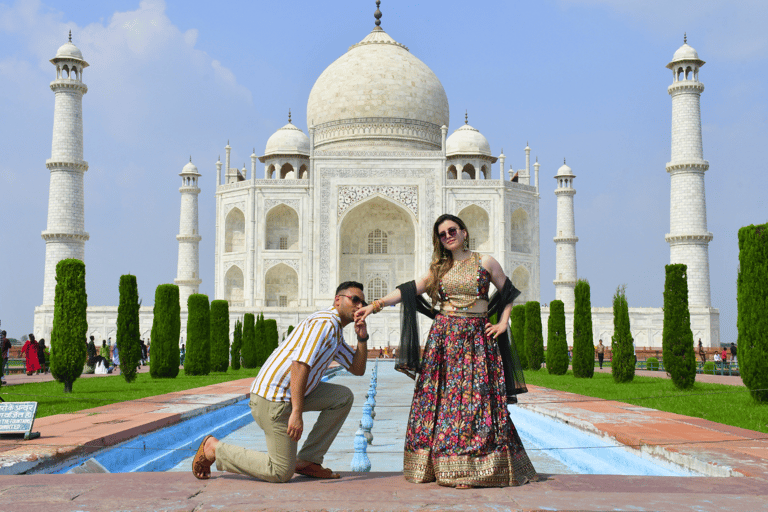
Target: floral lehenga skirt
[{"x": 459, "y": 430}]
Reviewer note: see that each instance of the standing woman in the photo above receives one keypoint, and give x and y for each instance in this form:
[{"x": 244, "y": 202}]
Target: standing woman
[
  {"x": 459, "y": 430},
  {"x": 41, "y": 356},
  {"x": 30, "y": 354}
]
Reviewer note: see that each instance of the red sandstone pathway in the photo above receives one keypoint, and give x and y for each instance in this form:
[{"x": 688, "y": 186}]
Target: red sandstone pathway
[{"x": 707, "y": 446}]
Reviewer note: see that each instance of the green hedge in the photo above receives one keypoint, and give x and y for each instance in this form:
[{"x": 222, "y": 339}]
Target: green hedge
[
  {"x": 70, "y": 324},
  {"x": 198, "y": 358},
  {"x": 708, "y": 368},
  {"x": 652, "y": 364},
  {"x": 219, "y": 335},
  {"x": 260, "y": 340},
  {"x": 271, "y": 337},
  {"x": 248, "y": 349},
  {"x": 752, "y": 322},
  {"x": 677, "y": 337},
  {"x": 583, "y": 341},
  {"x": 517, "y": 326},
  {"x": 622, "y": 349},
  {"x": 166, "y": 329},
  {"x": 237, "y": 343},
  {"x": 534, "y": 338},
  {"x": 557, "y": 345},
  {"x": 128, "y": 332}
]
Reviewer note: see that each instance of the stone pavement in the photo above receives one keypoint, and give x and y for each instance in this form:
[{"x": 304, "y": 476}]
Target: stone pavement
[{"x": 714, "y": 448}]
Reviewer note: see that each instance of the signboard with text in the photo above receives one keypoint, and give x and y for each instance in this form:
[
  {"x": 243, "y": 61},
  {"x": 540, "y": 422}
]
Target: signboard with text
[{"x": 17, "y": 417}]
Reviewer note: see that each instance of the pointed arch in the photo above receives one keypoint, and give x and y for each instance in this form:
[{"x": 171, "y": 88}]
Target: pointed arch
[
  {"x": 521, "y": 278},
  {"x": 521, "y": 231},
  {"x": 478, "y": 225},
  {"x": 281, "y": 287},
  {"x": 451, "y": 173},
  {"x": 468, "y": 172},
  {"x": 234, "y": 231},
  {"x": 287, "y": 172},
  {"x": 234, "y": 285},
  {"x": 303, "y": 172},
  {"x": 271, "y": 172},
  {"x": 282, "y": 230}
]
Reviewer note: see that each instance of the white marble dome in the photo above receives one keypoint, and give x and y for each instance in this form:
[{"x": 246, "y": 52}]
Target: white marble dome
[
  {"x": 564, "y": 170},
  {"x": 467, "y": 141},
  {"x": 69, "y": 51},
  {"x": 190, "y": 168},
  {"x": 378, "y": 78},
  {"x": 288, "y": 140},
  {"x": 685, "y": 52}
]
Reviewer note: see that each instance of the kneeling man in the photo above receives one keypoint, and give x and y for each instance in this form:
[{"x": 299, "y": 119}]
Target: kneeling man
[{"x": 289, "y": 384}]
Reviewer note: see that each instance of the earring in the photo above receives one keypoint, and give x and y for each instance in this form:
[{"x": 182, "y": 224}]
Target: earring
[{"x": 466, "y": 244}]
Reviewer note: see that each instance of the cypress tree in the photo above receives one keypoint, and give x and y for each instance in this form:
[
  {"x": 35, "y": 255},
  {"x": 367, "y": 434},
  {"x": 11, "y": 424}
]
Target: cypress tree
[
  {"x": 677, "y": 337},
  {"x": 534, "y": 339},
  {"x": 622, "y": 350},
  {"x": 219, "y": 335},
  {"x": 557, "y": 346},
  {"x": 237, "y": 343},
  {"x": 198, "y": 358},
  {"x": 271, "y": 337},
  {"x": 259, "y": 340},
  {"x": 128, "y": 343},
  {"x": 751, "y": 292},
  {"x": 518, "y": 333},
  {"x": 70, "y": 324},
  {"x": 248, "y": 349},
  {"x": 583, "y": 343},
  {"x": 166, "y": 329},
  {"x": 289, "y": 331}
]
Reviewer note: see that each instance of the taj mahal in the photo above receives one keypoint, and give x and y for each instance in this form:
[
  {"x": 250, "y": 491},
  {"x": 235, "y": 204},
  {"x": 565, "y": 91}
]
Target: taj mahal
[{"x": 354, "y": 197}]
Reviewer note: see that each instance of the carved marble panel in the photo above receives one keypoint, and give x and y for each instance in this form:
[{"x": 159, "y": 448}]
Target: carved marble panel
[{"x": 407, "y": 196}]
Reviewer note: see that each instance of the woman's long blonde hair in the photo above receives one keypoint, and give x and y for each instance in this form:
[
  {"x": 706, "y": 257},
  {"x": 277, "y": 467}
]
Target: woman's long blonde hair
[{"x": 442, "y": 258}]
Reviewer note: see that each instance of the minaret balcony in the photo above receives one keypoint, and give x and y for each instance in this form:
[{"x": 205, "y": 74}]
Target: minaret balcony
[
  {"x": 566, "y": 239},
  {"x": 687, "y": 238},
  {"x": 565, "y": 191},
  {"x": 63, "y": 165},
  {"x": 188, "y": 238},
  {"x": 69, "y": 83},
  {"x": 685, "y": 86},
  {"x": 687, "y": 166},
  {"x": 59, "y": 236}
]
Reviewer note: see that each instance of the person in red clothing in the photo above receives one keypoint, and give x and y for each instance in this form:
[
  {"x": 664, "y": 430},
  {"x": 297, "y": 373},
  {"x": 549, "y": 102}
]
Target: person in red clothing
[
  {"x": 724, "y": 355},
  {"x": 30, "y": 354}
]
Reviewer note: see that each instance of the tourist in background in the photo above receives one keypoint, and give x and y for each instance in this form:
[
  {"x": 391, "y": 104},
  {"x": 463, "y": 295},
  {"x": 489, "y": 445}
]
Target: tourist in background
[
  {"x": 733, "y": 352},
  {"x": 41, "y": 356},
  {"x": 724, "y": 355},
  {"x": 182, "y": 354},
  {"x": 702, "y": 354},
  {"x": 465, "y": 367},
  {"x": 600, "y": 353},
  {"x": 104, "y": 351},
  {"x": 5, "y": 346},
  {"x": 29, "y": 351}
]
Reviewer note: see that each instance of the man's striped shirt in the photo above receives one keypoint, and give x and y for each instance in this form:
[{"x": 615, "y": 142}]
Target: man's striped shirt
[{"x": 317, "y": 341}]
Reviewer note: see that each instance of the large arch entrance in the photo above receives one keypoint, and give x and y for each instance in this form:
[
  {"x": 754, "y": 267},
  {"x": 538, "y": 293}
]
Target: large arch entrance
[
  {"x": 281, "y": 287},
  {"x": 477, "y": 223},
  {"x": 376, "y": 246}
]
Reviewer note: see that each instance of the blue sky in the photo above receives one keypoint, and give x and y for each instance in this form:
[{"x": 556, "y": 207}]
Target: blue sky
[{"x": 581, "y": 79}]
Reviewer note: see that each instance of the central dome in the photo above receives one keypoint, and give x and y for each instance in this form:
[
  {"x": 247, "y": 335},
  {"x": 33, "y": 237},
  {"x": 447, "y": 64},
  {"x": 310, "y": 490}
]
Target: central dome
[{"x": 378, "y": 90}]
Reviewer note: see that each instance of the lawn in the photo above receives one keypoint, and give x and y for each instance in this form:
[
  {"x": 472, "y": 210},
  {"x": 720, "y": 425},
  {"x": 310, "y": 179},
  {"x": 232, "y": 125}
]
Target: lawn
[
  {"x": 730, "y": 405},
  {"x": 97, "y": 391}
]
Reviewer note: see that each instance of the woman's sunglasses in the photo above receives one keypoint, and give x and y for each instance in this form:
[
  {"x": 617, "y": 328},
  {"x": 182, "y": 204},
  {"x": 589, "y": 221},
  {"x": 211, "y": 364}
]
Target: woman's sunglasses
[{"x": 450, "y": 232}]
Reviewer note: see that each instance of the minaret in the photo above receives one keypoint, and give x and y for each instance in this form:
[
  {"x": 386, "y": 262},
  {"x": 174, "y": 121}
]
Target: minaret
[
  {"x": 565, "y": 241},
  {"x": 188, "y": 273},
  {"x": 688, "y": 237},
  {"x": 65, "y": 234}
]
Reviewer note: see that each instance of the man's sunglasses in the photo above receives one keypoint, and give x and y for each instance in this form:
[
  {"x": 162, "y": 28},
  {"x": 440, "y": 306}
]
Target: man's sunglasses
[
  {"x": 450, "y": 232},
  {"x": 355, "y": 299}
]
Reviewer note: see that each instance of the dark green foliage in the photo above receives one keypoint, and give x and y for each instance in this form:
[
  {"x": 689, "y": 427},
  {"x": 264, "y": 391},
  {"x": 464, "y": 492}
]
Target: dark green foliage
[
  {"x": 166, "y": 329},
  {"x": 219, "y": 335},
  {"x": 517, "y": 320},
  {"x": 70, "y": 324},
  {"x": 708, "y": 368},
  {"x": 677, "y": 337},
  {"x": 752, "y": 304},
  {"x": 248, "y": 349},
  {"x": 583, "y": 344},
  {"x": 622, "y": 349},
  {"x": 198, "y": 358},
  {"x": 260, "y": 340},
  {"x": 557, "y": 346},
  {"x": 652, "y": 364},
  {"x": 128, "y": 342},
  {"x": 271, "y": 336},
  {"x": 534, "y": 338},
  {"x": 237, "y": 343}
]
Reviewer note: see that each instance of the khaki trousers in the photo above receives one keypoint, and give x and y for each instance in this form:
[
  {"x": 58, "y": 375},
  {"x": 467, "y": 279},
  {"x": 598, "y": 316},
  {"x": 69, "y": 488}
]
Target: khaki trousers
[{"x": 278, "y": 465}]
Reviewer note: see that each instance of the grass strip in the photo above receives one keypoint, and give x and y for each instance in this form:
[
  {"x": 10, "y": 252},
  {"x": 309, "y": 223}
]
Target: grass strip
[
  {"x": 109, "y": 389},
  {"x": 721, "y": 403}
]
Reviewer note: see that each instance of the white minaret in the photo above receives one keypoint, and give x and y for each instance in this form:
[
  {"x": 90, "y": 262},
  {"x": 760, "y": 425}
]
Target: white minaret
[
  {"x": 565, "y": 241},
  {"x": 688, "y": 237},
  {"x": 65, "y": 234},
  {"x": 188, "y": 273}
]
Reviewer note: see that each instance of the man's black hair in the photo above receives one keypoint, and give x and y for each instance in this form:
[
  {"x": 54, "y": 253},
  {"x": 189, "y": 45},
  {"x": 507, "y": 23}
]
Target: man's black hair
[{"x": 348, "y": 284}]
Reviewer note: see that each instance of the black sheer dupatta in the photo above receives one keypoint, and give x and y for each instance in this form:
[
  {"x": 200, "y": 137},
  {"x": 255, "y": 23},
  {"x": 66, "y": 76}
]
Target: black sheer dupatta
[{"x": 408, "y": 359}]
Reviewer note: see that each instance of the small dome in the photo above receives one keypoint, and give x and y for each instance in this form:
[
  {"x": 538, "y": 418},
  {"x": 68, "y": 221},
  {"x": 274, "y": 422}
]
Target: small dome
[
  {"x": 69, "y": 51},
  {"x": 190, "y": 168},
  {"x": 467, "y": 141},
  {"x": 564, "y": 170},
  {"x": 288, "y": 140},
  {"x": 685, "y": 52}
]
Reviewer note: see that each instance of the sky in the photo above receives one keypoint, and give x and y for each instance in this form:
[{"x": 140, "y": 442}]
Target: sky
[{"x": 578, "y": 79}]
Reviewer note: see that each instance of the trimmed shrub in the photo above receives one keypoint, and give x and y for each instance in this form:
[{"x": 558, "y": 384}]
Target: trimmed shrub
[
  {"x": 271, "y": 337},
  {"x": 237, "y": 343},
  {"x": 70, "y": 323},
  {"x": 652, "y": 364},
  {"x": 518, "y": 333},
  {"x": 219, "y": 335},
  {"x": 708, "y": 368},
  {"x": 261, "y": 349},
  {"x": 289, "y": 331},
  {"x": 128, "y": 333},
  {"x": 752, "y": 324},
  {"x": 622, "y": 349},
  {"x": 557, "y": 346},
  {"x": 583, "y": 343},
  {"x": 198, "y": 358},
  {"x": 166, "y": 329},
  {"x": 677, "y": 337},
  {"x": 534, "y": 338},
  {"x": 248, "y": 349}
]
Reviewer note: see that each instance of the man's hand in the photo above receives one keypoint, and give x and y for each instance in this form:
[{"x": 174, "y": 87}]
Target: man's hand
[
  {"x": 295, "y": 426},
  {"x": 361, "y": 328}
]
